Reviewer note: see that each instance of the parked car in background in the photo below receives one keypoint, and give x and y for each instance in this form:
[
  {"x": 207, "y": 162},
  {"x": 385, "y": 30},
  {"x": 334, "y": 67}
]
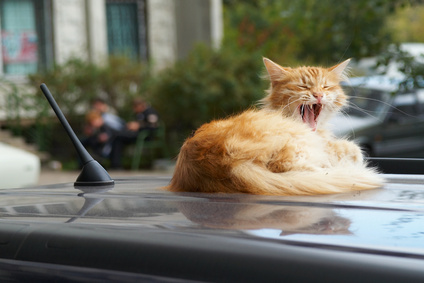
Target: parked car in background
[
  {"x": 384, "y": 121},
  {"x": 18, "y": 168}
]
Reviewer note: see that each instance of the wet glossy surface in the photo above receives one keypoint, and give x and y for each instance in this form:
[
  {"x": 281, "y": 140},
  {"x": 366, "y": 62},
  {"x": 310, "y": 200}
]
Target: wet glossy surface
[{"x": 390, "y": 219}]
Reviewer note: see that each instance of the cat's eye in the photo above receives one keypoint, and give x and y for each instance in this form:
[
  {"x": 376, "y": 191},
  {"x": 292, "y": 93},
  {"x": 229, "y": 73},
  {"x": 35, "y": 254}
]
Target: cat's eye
[
  {"x": 303, "y": 86},
  {"x": 325, "y": 86}
]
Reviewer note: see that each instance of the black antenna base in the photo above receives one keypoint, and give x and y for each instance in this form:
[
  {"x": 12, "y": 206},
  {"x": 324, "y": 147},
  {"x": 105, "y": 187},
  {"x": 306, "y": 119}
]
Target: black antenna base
[{"x": 93, "y": 174}]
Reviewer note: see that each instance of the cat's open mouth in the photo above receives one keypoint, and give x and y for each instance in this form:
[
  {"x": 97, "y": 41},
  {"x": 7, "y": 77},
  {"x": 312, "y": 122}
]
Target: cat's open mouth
[{"x": 310, "y": 113}]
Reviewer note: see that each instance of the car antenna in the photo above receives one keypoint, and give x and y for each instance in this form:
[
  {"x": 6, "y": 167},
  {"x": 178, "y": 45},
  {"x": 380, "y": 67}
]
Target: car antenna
[{"x": 92, "y": 174}]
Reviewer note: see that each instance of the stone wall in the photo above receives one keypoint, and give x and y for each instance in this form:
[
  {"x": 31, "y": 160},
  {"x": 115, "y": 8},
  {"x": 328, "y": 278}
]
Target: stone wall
[
  {"x": 162, "y": 32},
  {"x": 79, "y": 29}
]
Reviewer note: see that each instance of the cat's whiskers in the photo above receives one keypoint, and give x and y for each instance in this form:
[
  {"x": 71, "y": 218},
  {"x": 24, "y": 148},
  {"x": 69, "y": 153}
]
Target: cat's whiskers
[
  {"x": 296, "y": 114},
  {"x": 332, "y": 107},
  {"x": 366, "y": 112},
  {"x": 350, "y": 103},
  {"x": 283, "y": 108},
  {"x": 346, "y": 115}
]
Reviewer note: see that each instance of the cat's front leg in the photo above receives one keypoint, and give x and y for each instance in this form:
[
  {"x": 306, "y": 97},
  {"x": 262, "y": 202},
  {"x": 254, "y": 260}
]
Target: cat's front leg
[{"x": 344, "y": 150}]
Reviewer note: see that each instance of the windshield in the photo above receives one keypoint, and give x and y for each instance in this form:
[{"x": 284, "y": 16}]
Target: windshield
[{"x": 366, "y": 102}]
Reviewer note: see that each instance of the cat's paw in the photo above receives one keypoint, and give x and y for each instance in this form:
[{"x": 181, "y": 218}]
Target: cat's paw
[{"x": 345, "y": 150}]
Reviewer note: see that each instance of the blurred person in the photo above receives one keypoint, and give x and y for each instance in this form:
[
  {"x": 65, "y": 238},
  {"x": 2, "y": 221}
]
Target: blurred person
[
  {"x": 99, "y": 136},
  {"x": 113, "y": 121},
  {"x": 146, "y": 119}
]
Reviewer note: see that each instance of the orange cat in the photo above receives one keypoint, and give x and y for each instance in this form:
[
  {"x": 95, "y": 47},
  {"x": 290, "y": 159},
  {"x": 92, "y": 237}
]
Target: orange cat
[{"x": 281, "y": 149}]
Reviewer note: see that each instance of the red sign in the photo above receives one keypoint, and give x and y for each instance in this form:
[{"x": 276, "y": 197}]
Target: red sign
[{"x": 19, "y": 47}]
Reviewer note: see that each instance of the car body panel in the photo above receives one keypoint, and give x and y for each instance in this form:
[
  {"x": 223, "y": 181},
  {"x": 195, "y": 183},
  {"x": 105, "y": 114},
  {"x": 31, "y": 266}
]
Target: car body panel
[{"x": 135, "y": 227}]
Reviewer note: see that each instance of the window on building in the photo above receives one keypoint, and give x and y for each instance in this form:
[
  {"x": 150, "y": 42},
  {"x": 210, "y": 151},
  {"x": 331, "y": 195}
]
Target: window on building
[
  {"x": 126, "y": 28},
  {"x": 22, "y": 36}
]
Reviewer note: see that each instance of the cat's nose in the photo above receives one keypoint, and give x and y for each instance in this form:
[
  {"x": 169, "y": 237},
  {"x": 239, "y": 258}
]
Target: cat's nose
[{"x": 318, "y": 96}]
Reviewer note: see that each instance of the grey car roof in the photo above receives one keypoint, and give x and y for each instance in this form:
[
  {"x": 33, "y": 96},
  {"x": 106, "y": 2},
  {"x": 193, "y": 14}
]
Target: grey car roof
[
  {"x": 387, "y": 218},
  {"x": 135, "y": 229}
]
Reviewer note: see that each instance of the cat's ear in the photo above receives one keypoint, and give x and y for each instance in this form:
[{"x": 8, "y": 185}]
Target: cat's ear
[
  {"x": 274, "y": 70},
  {"x": 341, "y": 69}
]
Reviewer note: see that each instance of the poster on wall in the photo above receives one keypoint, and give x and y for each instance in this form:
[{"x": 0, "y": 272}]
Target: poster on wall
[{"x": 19, "y": 47}]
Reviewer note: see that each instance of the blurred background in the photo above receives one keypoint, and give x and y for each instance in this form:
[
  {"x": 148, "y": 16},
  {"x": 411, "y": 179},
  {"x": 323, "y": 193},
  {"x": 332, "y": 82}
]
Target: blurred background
[{"x": 198, "y": 60}]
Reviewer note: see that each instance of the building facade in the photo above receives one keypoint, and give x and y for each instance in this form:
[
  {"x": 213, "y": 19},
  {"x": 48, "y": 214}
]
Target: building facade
[{"x": 35, "y": 34}]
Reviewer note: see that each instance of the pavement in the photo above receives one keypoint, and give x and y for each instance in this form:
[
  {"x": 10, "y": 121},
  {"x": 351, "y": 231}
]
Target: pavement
[{"x": 49, "y": 176}]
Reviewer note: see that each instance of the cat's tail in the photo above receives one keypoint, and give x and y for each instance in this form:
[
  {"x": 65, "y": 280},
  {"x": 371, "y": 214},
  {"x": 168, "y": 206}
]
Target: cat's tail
[{"x": 260, "y": 180}]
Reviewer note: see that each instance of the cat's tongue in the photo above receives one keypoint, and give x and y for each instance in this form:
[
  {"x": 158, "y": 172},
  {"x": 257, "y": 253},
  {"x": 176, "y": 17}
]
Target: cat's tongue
[
  {"x": 309, "y": 118},
  {"x": 310, "y": 114}
]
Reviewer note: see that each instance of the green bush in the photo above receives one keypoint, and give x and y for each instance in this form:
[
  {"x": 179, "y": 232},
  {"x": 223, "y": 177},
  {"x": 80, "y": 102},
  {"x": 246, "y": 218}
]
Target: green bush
[
  {"x": 207, "y": 85},
  {"x": 75, "y": 83}
]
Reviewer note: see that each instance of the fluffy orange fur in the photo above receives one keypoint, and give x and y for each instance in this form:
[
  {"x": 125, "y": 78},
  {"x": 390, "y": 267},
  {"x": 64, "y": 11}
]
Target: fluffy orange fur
[{"x": 282, "y": 148}]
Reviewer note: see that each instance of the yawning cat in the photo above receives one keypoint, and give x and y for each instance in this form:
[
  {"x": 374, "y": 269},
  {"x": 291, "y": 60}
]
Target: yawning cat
[{"x": 281, "y": 149}]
